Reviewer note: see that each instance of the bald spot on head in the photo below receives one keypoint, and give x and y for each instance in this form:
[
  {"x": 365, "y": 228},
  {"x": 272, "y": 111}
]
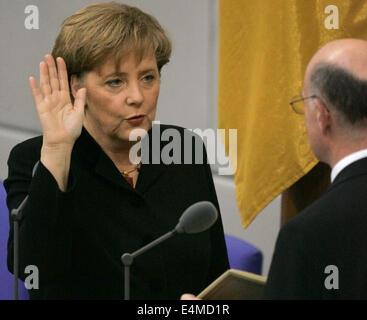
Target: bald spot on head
[{"x": 348, "y": 54}]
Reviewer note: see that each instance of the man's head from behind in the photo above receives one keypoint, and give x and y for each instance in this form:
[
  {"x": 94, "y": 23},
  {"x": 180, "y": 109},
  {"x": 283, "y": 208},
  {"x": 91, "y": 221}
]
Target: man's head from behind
[{"x": 336, "y": 118}]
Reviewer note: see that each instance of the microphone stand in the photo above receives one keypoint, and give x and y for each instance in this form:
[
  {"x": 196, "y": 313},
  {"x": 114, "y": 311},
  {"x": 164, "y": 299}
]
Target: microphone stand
[
  {"x": 128, "y": 259},
  {"x": 16, "y": 215},
  {"x": 198, "y": 217}
]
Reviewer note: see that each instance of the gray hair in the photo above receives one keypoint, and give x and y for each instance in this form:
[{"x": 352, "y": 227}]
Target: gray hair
[{"x": 341, "y": 90}]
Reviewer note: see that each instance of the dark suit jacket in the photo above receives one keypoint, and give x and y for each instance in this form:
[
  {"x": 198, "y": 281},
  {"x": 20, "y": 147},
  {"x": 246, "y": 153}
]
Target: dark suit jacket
[
  {"x": 330, "y": 232},
  {"x": 76, "y": 238}
]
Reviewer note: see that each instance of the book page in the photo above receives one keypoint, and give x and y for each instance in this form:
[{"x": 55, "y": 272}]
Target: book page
[{"x": 235, "y": 285}]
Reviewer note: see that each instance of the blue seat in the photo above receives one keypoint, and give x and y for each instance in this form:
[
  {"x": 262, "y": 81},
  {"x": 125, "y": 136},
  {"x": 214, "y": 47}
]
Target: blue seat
[
  {"x": 243, "y": 255},
  {"x": 6, "y": 278}
]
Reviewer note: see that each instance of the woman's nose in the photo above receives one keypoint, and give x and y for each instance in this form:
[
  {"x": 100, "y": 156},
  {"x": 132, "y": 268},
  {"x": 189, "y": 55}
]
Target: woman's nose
[{"x": 134, "y": 94}]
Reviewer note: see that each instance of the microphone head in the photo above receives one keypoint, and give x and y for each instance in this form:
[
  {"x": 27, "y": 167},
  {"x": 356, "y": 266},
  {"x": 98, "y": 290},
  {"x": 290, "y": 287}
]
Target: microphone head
[{"x": 199, "y": 217}]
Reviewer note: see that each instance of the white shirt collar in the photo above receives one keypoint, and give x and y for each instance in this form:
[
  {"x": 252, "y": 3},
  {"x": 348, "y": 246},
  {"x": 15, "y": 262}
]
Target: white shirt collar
[{"x": 346, "y": 161}]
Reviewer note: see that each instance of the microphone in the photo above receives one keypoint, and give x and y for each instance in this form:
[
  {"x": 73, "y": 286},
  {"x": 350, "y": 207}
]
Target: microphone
[
  {"x": 199, "y": 217},
  {"x": 17, "y": 215}
]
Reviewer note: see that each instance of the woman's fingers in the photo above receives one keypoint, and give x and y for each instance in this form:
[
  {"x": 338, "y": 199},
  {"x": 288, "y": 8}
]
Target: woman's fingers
[
  {"x": 44, "y": 79},
  {"x": 36, "y": 92},
  {"x": 63, "y": 74},
  {"x": 54, "y": 79}
]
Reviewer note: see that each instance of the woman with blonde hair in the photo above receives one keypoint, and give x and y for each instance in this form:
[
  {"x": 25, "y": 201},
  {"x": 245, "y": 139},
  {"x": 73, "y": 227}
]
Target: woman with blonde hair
[{"x": 88, "y": 201}]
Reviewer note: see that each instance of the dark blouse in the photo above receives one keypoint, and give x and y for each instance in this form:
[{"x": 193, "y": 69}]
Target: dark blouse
[{"x": 76, "y": 238}]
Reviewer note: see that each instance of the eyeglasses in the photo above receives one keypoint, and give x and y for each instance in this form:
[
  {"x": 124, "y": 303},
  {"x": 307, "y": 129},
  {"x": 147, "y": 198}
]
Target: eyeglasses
[{"x": 297, "y": 103}]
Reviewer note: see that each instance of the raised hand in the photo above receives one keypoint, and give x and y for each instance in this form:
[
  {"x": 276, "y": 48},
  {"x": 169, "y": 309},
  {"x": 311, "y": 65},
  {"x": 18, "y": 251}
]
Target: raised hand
[{"x": 61, "y": 121}]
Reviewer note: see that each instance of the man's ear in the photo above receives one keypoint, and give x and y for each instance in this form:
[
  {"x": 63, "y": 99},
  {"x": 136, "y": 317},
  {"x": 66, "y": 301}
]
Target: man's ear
[{"x": 323, "y": 116}]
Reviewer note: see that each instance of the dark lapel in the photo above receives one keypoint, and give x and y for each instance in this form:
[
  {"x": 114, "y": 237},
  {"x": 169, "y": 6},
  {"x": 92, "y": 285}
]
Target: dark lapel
[
  {"x": 104, "y": 166},
  {"x": 354, "y": 170},
  {"x": 149, "y": 173},
  {"x": 98, "y": 160}
]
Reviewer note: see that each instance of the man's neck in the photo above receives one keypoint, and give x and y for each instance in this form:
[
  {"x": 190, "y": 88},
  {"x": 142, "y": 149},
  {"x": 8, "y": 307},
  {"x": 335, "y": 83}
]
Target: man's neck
[
  {"x": 341, "y": 151},
  {"x": 346, "y": 161}
]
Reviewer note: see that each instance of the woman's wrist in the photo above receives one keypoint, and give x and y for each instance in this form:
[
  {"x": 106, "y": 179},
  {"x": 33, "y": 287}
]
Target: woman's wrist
[{"x": 57, "y": 160}]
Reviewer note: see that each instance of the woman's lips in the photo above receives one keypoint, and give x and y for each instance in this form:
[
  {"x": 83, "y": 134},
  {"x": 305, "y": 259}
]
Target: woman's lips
[{"x": 135, "y": 120}]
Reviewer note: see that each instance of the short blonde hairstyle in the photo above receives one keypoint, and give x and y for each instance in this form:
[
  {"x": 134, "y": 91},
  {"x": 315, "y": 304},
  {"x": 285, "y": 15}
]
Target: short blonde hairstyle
[{"x": 103, "y": 30}]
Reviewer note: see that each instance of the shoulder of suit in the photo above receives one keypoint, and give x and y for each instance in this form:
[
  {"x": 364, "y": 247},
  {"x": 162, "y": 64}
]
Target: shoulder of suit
[
  {"x": 315, "y": 218},
  {"x": 29, "y": 146},
  {"x": 171, "y": 126},
  {"x": 181, "y": 130}
]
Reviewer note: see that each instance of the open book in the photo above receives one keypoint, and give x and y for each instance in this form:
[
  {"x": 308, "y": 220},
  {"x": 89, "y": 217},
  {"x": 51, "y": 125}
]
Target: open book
[{"x": 235, "y": 285}]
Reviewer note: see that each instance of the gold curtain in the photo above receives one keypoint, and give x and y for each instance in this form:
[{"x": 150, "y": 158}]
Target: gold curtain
[{"x": 264, "y": 48}]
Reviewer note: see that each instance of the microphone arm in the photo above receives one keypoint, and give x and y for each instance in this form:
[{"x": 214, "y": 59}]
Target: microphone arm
[
  {"x": 16, "y": 215},
  {"x": 197, "y": 218},
  {"x": 128, "y": 258}
]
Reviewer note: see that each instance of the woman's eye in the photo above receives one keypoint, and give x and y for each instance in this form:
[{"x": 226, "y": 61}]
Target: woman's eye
[
  {"x": 149, "y": 78},
  {"x": 114, "y": 82}
]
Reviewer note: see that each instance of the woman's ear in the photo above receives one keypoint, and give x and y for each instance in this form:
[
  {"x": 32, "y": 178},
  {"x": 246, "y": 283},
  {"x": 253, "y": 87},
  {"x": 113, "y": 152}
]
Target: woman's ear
[{"x": 75, "y": 84}]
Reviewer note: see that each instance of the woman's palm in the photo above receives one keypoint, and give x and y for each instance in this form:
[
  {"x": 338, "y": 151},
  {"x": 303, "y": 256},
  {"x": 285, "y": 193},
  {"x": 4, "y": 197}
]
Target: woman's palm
[{"x": 61, "y": 121}]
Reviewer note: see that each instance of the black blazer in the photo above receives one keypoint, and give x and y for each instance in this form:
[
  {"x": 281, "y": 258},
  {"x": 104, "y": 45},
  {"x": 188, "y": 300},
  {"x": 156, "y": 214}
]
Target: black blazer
[
  {"x": 330, "y": 232},
  {"x": 76, "y": 238}
]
